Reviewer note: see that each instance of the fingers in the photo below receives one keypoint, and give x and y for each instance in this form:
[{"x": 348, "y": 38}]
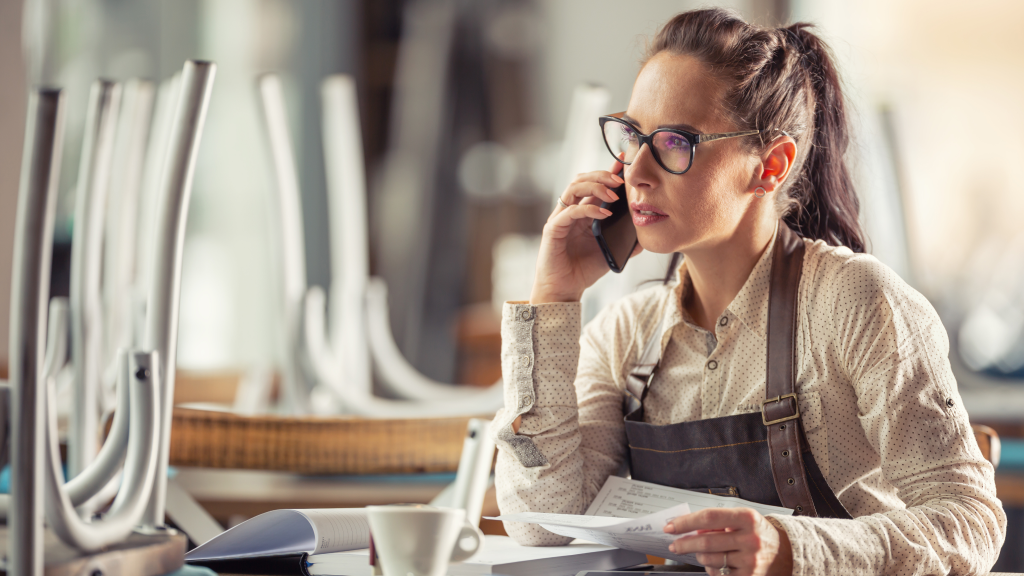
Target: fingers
[
  {"x": 751, "y": 543},
  {"x": 617, "y": 166},
  {"x": 714, "y": 519},
  {"x": 560, "y": 223},
  {"x": 578, "y": 191},
  {"x": 596, "y": 184},
  {"x": 711, "y": 542},
  {"x": 715, "y": 560},
  {"x": 609, "y": 179}
]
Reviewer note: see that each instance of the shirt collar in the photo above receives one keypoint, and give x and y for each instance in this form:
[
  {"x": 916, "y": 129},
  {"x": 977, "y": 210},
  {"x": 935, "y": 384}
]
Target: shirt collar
[{"x": 750, "y": 305}]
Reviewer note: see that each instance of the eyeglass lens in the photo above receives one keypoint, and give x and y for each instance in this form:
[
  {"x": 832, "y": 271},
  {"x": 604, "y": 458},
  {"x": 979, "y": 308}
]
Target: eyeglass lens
[{"x": 673, "y": 150}]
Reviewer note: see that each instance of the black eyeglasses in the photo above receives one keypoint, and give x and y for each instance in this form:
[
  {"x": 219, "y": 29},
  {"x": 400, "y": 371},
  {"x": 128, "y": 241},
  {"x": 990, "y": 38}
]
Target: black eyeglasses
[{"x": 672, "y": 148}]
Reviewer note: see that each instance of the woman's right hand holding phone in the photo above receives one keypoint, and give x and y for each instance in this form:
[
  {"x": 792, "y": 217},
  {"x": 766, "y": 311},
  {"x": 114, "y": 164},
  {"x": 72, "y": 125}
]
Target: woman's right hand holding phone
[{"x": 570, "y": 259}]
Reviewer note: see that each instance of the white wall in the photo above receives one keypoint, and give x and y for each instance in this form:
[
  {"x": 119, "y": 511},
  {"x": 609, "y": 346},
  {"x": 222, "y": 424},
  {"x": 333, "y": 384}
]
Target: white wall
[
  {"x": 12, "y": 130},
  {"x": 601, "y": 42},
  {"x": 953, "y": 74}
]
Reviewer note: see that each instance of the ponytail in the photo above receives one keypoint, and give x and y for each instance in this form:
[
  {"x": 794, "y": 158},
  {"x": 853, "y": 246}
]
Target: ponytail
[
  {"x": 826, "y": 204},
  {"x": 784, "y": 80}
]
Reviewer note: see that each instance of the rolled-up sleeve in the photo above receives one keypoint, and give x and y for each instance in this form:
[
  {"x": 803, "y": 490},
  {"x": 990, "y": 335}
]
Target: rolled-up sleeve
[{"x": 894, "y": 349}]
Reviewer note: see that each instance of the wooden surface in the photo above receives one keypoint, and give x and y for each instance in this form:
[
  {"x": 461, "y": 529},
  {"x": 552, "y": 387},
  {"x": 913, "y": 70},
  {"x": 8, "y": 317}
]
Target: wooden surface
[
  {"x": 988, "y": 442},
  {"x": 1010, "y": 488},
  {"x": 309, "y": 445},
  {"x": 138, "y": 556},
  {"x": 478, "y": 339}
]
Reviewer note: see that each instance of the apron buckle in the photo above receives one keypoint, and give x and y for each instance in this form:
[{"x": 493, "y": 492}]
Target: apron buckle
[{"x": 796, "y": 405}]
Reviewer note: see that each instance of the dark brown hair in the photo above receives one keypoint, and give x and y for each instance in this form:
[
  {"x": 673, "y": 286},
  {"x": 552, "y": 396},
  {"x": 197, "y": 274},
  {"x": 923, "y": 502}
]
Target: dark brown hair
[{"x": 781, "y": 80}]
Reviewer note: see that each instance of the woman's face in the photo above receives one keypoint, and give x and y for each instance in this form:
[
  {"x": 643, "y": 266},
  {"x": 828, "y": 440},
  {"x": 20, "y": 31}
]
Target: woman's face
[{"x": 712, "y": 201}]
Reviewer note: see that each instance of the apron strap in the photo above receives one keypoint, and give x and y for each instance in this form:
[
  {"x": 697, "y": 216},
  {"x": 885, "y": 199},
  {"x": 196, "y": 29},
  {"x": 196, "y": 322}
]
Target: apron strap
[{"x": 780, "y": 411}]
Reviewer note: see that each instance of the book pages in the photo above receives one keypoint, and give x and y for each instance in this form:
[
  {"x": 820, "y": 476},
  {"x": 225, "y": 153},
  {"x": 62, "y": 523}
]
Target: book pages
[{"x": 338, "y": 529}]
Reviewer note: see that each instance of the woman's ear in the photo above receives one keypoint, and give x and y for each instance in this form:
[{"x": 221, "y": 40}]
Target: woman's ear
[{"x": 776, "y": 162}]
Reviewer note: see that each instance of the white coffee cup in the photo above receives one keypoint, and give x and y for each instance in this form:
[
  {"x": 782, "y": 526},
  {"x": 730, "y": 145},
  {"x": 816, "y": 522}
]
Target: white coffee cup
[{"x": 419, "y": 539}]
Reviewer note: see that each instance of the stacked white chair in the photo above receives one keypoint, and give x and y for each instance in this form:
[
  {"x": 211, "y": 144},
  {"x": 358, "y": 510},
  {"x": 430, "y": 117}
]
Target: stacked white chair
[
  {"x": 343, "y": 354},
  {"x": 86, "y": 307},
  {"x": 140, "y": 433}
]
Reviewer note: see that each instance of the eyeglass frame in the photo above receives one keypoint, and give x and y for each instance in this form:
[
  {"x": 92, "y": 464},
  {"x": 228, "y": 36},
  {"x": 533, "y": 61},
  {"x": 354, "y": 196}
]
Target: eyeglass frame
[{"x": 691, "y": 137}]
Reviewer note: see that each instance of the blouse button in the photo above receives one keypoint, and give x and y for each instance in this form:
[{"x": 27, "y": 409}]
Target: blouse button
[
  {"x": 524, "y": 315},
  {"x": 524, "y": 360},
  {"x": 949, "y": 402},
  {"x": 723, "y": 321},
  {"x": 712, "y": 365}
]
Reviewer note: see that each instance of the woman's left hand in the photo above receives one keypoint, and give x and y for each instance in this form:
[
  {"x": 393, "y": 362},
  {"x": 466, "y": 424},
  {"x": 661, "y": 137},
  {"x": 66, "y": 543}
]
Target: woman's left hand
[{"x": 739, "y": 537}]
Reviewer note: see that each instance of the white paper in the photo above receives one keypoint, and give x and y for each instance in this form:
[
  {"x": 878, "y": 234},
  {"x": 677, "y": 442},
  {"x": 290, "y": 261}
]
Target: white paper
[
  {"x": 626, "y": 498},
  {"x": 645, "y": 534},
  {"x": 270, "y": 534}
]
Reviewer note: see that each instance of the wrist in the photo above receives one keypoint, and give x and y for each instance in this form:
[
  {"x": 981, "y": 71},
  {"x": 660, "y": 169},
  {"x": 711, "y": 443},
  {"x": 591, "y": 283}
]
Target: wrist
[
  {"x": 549, "y": 297},
  {"x": 782, "y": 564}
]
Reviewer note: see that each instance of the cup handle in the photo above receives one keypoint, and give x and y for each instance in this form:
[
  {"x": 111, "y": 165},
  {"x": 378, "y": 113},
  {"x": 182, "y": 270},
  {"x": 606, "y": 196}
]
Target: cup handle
[{"x": 468, "y": 531}]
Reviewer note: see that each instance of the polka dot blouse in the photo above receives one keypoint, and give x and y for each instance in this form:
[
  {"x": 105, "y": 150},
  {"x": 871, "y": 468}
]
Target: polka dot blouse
[{"x": 878, "y": 400}]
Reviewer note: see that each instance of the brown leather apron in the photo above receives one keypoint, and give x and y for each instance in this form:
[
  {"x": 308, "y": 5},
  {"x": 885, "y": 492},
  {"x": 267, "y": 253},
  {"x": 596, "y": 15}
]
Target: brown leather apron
[{"x": 763, "y": 456}]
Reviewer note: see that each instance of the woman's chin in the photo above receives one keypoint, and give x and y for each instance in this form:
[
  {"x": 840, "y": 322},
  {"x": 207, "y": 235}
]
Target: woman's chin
[{"x": 656, "y": 244}]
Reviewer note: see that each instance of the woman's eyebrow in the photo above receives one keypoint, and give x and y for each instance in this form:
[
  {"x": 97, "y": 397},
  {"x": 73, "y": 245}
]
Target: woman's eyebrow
[{"x": 686, "y": 127}]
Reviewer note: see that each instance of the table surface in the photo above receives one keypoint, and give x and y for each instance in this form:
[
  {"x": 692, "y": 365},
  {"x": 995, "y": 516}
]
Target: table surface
[{"x": 139, "y": 555}]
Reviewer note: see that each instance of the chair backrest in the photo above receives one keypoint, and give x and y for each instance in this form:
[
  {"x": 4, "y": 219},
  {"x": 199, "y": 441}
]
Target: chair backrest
[{"x": 988, "y": 441}]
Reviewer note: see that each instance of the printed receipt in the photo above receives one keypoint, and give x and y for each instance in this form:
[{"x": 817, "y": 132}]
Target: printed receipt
[
  {"x": 338, "y": 529},
  {"x": 625, "y": 498},
  {"x": 644, "y": 534}
]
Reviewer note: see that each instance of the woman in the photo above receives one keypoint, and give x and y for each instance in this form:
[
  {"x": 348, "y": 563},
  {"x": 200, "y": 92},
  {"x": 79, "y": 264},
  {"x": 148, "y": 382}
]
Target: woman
[{"x": 774, "y": 294}]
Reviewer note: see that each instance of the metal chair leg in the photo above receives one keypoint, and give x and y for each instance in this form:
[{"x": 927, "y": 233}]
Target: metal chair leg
[
  {"x": 161, "y": 330},
  {"x": 33, "y": 237}
]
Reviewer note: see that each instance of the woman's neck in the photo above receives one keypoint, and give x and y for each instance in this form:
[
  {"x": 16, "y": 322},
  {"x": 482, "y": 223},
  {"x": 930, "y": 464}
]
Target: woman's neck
[{"x": 718, "y": 273}]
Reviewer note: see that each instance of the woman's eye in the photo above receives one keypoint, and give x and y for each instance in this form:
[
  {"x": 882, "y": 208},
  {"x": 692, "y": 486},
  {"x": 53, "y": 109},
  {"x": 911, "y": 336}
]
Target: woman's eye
[
  {"x": 676, "y": 143},
  {"x": 628, "y": 135}
]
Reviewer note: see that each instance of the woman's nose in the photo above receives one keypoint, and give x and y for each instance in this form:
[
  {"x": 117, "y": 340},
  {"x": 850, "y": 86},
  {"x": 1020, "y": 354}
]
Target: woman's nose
[{"x": 643, "y": 170}]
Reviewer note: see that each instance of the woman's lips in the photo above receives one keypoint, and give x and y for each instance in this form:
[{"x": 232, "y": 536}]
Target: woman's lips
[{"x": 645, "y": 214}]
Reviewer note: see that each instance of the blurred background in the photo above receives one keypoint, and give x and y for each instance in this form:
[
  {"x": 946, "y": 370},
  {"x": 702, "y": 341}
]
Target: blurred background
[{"x": 464, "y": 107}]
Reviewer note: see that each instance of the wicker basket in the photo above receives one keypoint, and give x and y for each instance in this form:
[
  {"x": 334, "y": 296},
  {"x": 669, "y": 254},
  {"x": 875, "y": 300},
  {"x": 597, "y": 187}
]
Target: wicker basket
[{"x": 316, "y": 445}]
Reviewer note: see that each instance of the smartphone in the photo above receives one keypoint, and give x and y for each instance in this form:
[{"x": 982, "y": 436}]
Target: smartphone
[{"x": 616, "y": 234}]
